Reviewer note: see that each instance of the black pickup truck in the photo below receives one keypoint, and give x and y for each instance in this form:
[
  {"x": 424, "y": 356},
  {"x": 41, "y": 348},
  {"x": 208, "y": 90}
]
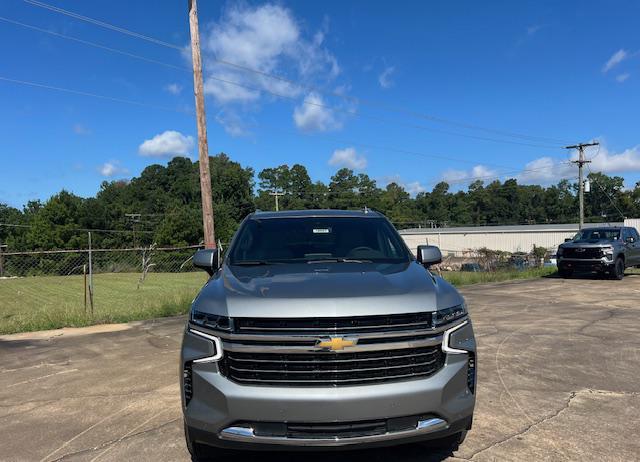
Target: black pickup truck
[{"x": 605, "y": 251}]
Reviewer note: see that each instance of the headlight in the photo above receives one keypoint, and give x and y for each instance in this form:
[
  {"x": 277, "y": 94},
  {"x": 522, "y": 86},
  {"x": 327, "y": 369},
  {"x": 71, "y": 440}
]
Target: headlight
[
  {"x": 208, "y": 320},
  {"x": 448, "y": 315},
  {"x": 560, "y": 251},
  {"x": 608, "y": 251}
]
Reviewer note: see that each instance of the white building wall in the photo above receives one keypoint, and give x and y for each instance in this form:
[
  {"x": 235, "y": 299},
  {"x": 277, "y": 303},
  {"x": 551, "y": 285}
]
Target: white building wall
[{"x": 509, "y": 241}]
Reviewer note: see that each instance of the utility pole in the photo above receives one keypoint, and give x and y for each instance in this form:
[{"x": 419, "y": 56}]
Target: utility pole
[
  {"x": 581, "y": 161},
  {"x": 135, "y": 218},
  {"x": 276, "y": 194},
  {"x": 203, "y": 147}
]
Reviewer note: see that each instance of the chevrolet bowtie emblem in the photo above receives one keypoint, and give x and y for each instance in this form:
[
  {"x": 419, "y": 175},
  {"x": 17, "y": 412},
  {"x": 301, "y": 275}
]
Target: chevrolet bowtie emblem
[{"x": 336, "y": 343}]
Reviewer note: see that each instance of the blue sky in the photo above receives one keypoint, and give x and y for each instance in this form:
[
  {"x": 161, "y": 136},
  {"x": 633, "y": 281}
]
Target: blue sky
[{"x": 390, "y": 89}]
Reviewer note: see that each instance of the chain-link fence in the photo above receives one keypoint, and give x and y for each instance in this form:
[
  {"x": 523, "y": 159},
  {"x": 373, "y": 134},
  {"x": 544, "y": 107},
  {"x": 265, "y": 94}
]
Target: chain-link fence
[
  {"x": 48, "y": 289},
  {"x": 96, "y": 261}
]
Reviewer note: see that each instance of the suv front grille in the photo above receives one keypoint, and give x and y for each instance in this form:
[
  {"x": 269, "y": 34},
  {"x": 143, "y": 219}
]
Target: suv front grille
[
  {"x": 587, "y": 253},
  {"x": 327, "y": 326},
  {"x": 332, "y": 369}
]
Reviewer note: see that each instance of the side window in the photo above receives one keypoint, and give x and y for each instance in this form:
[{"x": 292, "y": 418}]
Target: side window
[
  {"x": 634, "y": 233},
  {"x": 625, "y": 234}
]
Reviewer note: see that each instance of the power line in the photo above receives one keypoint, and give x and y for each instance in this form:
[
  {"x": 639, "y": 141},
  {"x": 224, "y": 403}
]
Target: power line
[
  {"x": 290, "y": 81},
  {"x": 366, "y": 145},
  {"x": 113, "y": 231},
  {"x": 84, "y": 93},
  {"x": 138, "y": 103},
  {"x": 607, "y": 194},
  {"x": 295, "y": 99}
]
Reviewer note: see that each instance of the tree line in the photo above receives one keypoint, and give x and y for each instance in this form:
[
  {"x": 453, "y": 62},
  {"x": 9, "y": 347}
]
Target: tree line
[{"x": 162, "y": 205}]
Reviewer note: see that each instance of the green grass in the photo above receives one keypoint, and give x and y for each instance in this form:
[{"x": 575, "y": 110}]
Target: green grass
[
  {"x": 463, "y": 278},
  {"x": 49, "y": 302}
]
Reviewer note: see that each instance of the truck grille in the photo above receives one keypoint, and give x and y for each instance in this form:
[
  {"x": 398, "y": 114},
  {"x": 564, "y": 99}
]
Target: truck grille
[
  {"x": 332, "y": 369},
  {"x": 325, "y": 326},
  {"x": 587, "y": 253}
]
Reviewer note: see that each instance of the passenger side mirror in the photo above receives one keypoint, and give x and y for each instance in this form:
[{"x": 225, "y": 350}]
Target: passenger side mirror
[
  {"x": 631, "y": 240},
  {"x": 428, "y": 255},
  {"x": 206, "y": 259}
]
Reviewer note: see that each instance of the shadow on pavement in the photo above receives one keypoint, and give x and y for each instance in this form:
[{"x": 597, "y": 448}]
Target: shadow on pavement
[{"x": 406, "y": 453}]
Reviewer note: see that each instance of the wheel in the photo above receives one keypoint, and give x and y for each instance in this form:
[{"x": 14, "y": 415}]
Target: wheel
[
  {"x": 618, "y": 269},
  {"x": 564, "y": 273},
  {"x": 203, "y": 453}
]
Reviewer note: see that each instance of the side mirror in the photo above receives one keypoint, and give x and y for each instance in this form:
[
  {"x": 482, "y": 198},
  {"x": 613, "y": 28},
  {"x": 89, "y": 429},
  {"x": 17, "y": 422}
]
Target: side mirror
[
  {"x": 631, "y": 240},
  {"x": 568, "y": 239},
  {"x": 206, "y": 259},
  {"x": 429, "y": 255}
]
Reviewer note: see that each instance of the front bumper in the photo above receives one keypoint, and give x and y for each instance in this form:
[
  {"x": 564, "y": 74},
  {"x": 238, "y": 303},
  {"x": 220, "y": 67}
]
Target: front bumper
[
  {"x": 576, "y": 264},
  {"x": 221, "y": 412}
]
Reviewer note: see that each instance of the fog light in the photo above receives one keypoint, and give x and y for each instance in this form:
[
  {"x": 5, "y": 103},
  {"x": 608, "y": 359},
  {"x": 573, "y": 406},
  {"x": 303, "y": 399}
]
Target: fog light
[
  {"x": 187, "y": 383},
  {"x": 471, "y": 373}
]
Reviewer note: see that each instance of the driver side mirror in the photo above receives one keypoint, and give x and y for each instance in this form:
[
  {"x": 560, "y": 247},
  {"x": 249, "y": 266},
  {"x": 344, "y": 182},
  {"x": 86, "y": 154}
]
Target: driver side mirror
[
  {"x": 567, "y": 239},
  {"x": 207, "y": 259},
  {"x": 428, "y": 255},
  {"x": 630, "y": 240}
]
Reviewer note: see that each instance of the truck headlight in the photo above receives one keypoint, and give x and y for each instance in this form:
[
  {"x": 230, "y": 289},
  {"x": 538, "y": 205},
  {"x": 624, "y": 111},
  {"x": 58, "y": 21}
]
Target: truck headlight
[
  {"x": 448, "y": 315},
  {"x": 560, "y": 252},
  {"x": 208, "y": 320}
]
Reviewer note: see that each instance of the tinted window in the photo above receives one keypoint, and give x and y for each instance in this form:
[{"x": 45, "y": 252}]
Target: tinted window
[
  {"x": 308, "y": 239},
  {"x": 634, "y": 233},
  {"x": 598, "y": 234}
]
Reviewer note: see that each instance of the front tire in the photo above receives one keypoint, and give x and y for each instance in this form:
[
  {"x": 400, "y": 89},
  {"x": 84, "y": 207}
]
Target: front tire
[
  {"x": 618, "y": 269},
  {"x": 449, "y": 443},
  {"x": 564, "y": 273}
]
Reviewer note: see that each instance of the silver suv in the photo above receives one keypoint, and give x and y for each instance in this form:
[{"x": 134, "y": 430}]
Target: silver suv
[{"x": 319, "y": 329}]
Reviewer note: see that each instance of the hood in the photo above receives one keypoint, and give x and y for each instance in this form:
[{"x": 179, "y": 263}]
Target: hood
[{"x": 325, "y": 290}]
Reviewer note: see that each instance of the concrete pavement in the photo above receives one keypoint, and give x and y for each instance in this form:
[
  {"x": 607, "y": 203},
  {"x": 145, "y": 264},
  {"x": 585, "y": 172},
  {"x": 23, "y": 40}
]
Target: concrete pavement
[{"x": 559, "y": 379}]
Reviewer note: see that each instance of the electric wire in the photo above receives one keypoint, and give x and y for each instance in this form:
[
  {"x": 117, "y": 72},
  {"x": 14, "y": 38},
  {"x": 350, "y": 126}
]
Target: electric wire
[{"x": 356, "y": 100}]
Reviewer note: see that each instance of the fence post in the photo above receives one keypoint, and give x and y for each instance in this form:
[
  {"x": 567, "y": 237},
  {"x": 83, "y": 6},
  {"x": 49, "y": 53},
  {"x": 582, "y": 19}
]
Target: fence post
[
  {"x": 2, "y": 247},
  {"x": 84, "y": 272},
  {"x": 90, "y": 276}
]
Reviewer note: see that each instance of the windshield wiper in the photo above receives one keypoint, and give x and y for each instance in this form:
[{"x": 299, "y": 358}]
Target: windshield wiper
[
  {"x": 339, "y": 260},
  {"x": 253, "y": 262}
]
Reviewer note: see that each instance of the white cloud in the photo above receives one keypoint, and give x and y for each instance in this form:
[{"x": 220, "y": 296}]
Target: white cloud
[
  {"x": 112, "y": 168},
  {"x": 545, "y": 170},
  {"x": 167, "y": 144},
  {"x": 232, "y": 123},
  {"x": 384, "y": 79},
  {"x": 622, "y": 77},
  {"x": 173, "y": 88},
  {"x": 80, "y": 129},
  {"x": 267, "y": 38},
  {"x": 479, "y": 172},
  {"x": 314, "y": 116},
  {"x": 615, "y": 59},
  {"x": 412, "y": 187},
  {"x": 348, "y": 157}
]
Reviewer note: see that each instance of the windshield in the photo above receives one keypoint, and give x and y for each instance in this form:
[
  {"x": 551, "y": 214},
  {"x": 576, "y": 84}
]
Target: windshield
[
  {"x": 598, "y": 235},
  {"x": 279, "y": 240}
]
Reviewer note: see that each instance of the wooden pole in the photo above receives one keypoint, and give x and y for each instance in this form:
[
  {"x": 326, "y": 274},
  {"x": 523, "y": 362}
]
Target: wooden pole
[{"x": 203, "y": 146}]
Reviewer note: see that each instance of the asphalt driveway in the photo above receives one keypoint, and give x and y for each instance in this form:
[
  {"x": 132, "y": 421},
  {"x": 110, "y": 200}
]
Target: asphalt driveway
[{"x": 559, "y": 379}]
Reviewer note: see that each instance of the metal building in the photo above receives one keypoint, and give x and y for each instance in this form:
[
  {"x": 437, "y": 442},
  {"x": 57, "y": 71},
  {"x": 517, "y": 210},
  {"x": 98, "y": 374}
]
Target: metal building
[{"x": 517, "y": 238}]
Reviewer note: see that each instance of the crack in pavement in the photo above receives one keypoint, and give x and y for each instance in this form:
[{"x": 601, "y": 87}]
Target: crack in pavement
[
  {"x": 528, "y": 428},
  {"x": 116, "y": 440}
]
